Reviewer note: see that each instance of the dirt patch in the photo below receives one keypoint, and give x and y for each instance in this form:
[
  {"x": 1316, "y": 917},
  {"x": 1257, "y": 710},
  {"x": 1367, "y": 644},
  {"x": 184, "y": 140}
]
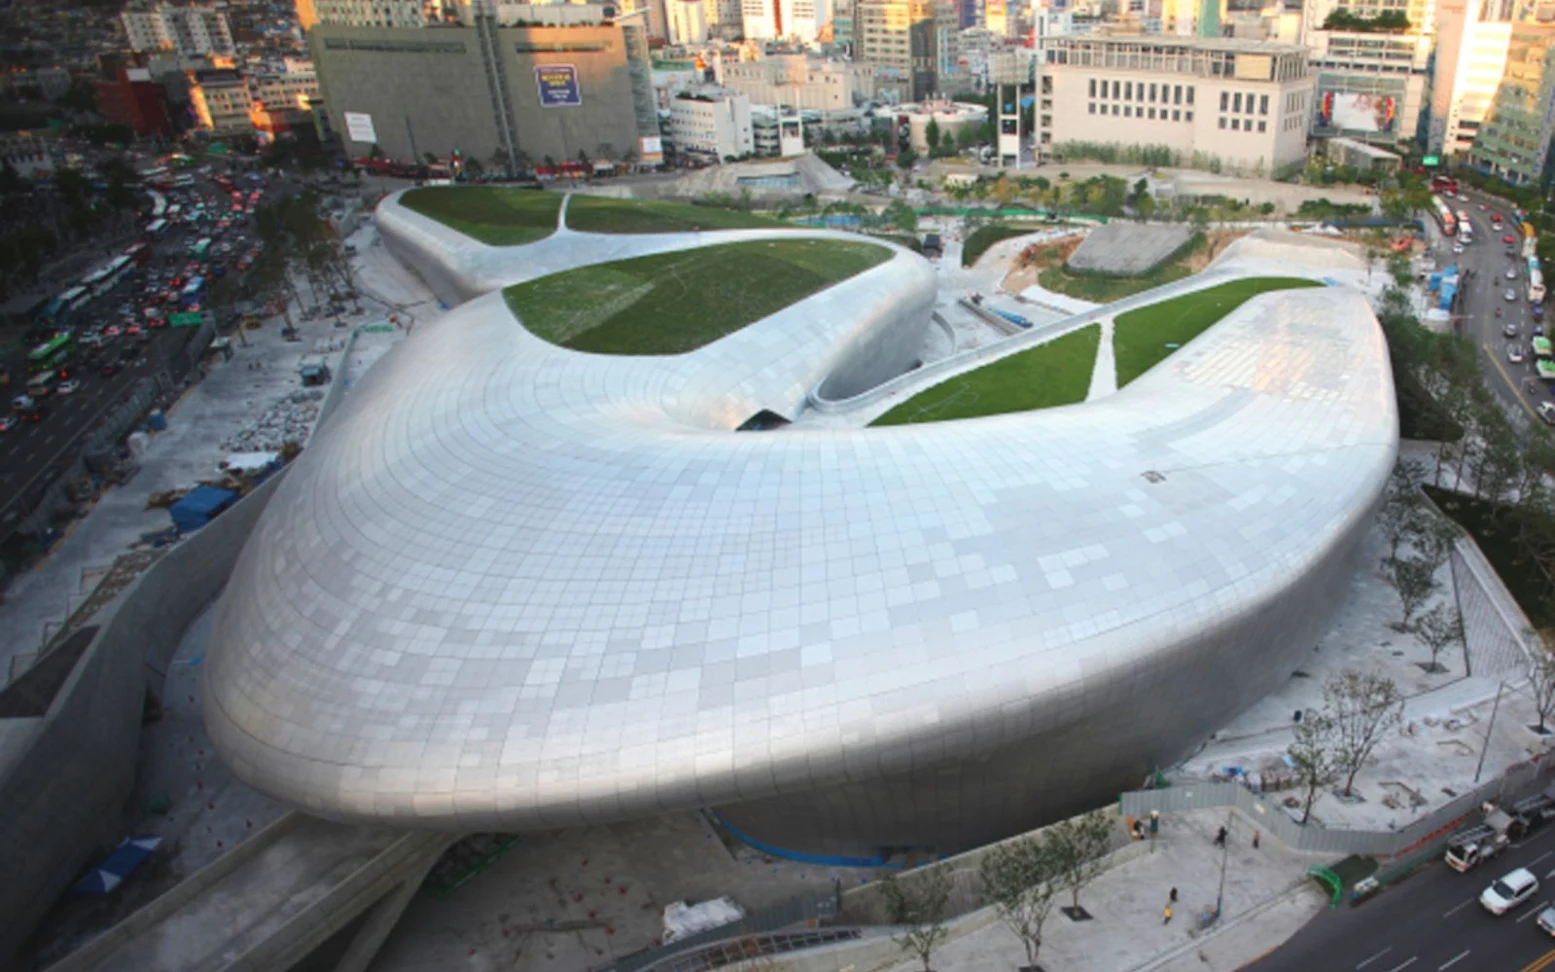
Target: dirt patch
[{"x": 1218, "y": 241}]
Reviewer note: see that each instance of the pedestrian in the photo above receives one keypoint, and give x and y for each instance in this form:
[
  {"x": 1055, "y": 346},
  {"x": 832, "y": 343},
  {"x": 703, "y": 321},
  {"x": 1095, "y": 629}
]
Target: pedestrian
[
  {"x": 1256, "y": 835},
  {"x": 1220, "y": 837},
  {"x": 1174, "y": 896},
  {"x": 1167, "y": 911}
]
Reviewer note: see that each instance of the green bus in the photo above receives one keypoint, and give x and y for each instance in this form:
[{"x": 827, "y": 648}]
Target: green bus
[{"x": 51, "y": 354}]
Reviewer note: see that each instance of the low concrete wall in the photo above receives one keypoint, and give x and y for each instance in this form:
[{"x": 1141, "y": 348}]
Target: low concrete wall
[{"x": 61, "y": 797}]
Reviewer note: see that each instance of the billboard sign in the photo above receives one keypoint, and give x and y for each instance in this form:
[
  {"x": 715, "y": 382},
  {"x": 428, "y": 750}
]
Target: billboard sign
[
  {"x": 650, "y": 148},
  {"x": 359, "y": 127},
  {"x": 558, "y": 84},
  {"x": 1352, "y": 112}
]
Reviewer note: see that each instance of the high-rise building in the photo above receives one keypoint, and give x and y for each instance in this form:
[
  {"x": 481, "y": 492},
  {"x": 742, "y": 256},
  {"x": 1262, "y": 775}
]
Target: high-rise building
[
  {"x": 1373, "y": 61},
  {"x": 1514, "y": 142},
  {"x": 134, "y": 100},
  {"x": 772, "y": 19},
  {"x": 189, "y": 31},
  {"x": 1471, "y": 42},
  {"x": 375, "y": 13},
  {"x": 898, "y": 38},
  {"x": 1239, "y": 105},
  {"x": 687, "y": 21},
  {"x": 713, "y": 122},
  {"x": 222, "y": 103}
]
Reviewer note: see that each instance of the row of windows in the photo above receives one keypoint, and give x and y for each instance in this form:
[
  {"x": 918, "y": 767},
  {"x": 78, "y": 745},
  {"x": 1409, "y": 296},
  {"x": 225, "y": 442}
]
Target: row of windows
[
  {"x": 1233, "y": 101},
  {"x": 1149, "y": 114},
  {"x": 1237, "y": 125},
  {"x": 1165, "y": 94},
  {"x": 561, "y": 47},
  {"x": 397, "y": 47}
]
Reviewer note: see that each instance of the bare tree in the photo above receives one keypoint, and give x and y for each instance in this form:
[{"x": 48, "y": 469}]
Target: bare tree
[
  {"x": 1401, "y": 504},
  {"x": 1022, "y": 879},
  {"x": 917, "y": 902},
  {"x": 1415, "y": 580},
  {"x": 1312, "y": 754},
  {"x": 1541, "y": 676},
  {"x": 1080, "y": 845},
  {"x": 1364, "y": 707},
  {"x": 1439, "y": 628}
]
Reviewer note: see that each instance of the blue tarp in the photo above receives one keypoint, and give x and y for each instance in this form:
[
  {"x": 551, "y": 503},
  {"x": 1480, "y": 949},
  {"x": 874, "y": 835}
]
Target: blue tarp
[
  {"x": 130, "y": 854},
  {"x": 200, "y": 507}
]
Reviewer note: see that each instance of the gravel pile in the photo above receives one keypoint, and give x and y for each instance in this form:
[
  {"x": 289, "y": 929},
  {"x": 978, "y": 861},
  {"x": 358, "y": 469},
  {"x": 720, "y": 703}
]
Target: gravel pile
[{"x": 287, "y": 419}]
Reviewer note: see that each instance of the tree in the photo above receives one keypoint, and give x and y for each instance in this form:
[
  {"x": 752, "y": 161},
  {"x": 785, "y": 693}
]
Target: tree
[
  {"x": 1312, "y": 756},
  {"x": 1440, "y": 628},
  {"x": 376, "y": 152},
  {"x": 431, "y": 159},
  {"x": 931, "y": 135},
  {"x": 902, "y": 215},
  {"x": 1415, "y": 580},
  {"x": 473, "y": 167},
  {"x": 1365, "y": 707},
  {"x": 1541, "y": 676},
  {"x": 1021, "y": 878},
  {"x": 10, "y": 180},
  {"x": 916, "y": 902},
  {"x": 1401, "y": 504},
  {"x": 906, "y": 157},
  {"x": 1080, "y": 845},
  {"x": 71, "y": 185}
]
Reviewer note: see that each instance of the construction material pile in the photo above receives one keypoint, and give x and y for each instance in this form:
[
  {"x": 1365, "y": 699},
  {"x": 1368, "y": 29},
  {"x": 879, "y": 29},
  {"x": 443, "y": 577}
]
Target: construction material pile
[{"x": 289, "y": 418}]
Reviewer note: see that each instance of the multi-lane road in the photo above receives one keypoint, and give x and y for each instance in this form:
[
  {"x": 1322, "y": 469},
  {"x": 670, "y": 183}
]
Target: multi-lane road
[
  {"x": 1431, "y": 923},
  {"x": 33, "y": 454}
]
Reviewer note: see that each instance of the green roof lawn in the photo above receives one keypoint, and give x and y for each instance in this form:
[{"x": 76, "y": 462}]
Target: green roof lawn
[
  {"x": 1143, "y": 337},
  {"x": 1051, "y": 374},
  {"x": 604, "y": 214},
  {"x": 494, "y": 215},
  {"x": 671, "y": 303}
]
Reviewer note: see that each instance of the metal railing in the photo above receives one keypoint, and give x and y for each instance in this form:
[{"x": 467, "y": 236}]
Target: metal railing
[{"x": 807, "y": 909}]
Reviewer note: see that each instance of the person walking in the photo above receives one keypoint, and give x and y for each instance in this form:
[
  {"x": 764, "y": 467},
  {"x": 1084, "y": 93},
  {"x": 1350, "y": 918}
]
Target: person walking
[
  {"x": 1174, "y": 896},
  {"x": 1256, "y": 835},
  {"x": 1167, "y": 912},
  {"x": 1220, "y": 837}
]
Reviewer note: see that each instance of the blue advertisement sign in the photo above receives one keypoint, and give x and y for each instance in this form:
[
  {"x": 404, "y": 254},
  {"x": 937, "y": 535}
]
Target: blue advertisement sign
[{"x": 558, "y": 84}]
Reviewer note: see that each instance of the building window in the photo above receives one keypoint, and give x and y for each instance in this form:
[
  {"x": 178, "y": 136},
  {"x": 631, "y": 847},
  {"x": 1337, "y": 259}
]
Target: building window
[
  {"x": 1190, "y": 94},
  {"x": 1093, "y": 87},
  {"x": 1176, "y": 94},
  {"x": 1128, "y": 91},
  {"x": 1116, "y": 87},
  {"x": 1262, "y": 127},
  {"x": 1249, "y": 102},
  {"x": 1236, "y": 124},
  {"x": 1176, "y": 115},
  {"x": 1263, "y": 104},
  {"x": 1128, "y": 111},
  {"x": 1236, "y": 101},
  {"x": 1152, "y": 92},
  {"x": 1187, "y": 116},
  {"x": 1114, "y": 110},
  {"x": 1152, "y": 114},
  {"x": 1222, "y": 121},
  {"x": 1225, "y": 100},
  {"x": 1093, "y": 107}
]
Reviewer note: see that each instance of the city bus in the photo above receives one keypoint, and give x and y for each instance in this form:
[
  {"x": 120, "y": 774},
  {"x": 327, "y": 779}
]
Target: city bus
[
  {"x": 1444, "y": 183},
  {"x": 51, "y": 354},
  {"x": 189, "y": 299},
  {"x": 108, "y": 276},
  {"x": 1535, "y": 280},
  {"x": 57, "y": 312},
  {"x": 1444, "y": 217}
]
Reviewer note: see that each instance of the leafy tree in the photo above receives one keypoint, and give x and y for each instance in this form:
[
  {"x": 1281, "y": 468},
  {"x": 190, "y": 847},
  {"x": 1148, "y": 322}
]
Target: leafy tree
[
  {"x": 916, "y": 902},
  {"x": 1415, "y": 580},
  {"x": 1080, "y": 845},
  {"x": 375, "y": 152},
  {"x": 1021, "y": 877},
  {"x": 71, "y": 185},
  {"x": 902, "y": 216},
  {"x": 10, "y": 180},
  {"x": 931, "y": 135},
  {"x": 430, "y": 158},
  {"x": 473, "y": 167},
  {"x": 906, "y": 158},
  {"x": 1439, "y": 628},
  {"x": 1312, "y": 755},
  {"x": 1401, "y": 504},
  {"x": 1364, "y": 707},
  {"x": 583, "y": 157}
]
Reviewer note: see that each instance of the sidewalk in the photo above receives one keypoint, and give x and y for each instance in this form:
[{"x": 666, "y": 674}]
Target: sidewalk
[{"x": 1266, "y": 900}]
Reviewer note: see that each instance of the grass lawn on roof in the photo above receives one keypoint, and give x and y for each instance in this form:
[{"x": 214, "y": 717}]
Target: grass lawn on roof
[
  {"x": 494, "y": 215},
  {"x": 1051, "y": 374},
  {"x": 1143, "y": 337},
  {"x": 603, "y": 214},
  {"x": 671, "y": 303}
]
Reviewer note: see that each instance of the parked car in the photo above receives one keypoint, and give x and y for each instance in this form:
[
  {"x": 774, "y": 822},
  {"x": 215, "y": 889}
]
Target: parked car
[
  {"x": 1512, "y": 889},
  {"x": 1547, "y": 412},
  {"x": 1509, "y": 238}
]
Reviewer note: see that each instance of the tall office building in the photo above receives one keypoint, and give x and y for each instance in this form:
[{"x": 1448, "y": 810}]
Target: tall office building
[
  {"x": 1514, "y": 142},
  {"x": 898, "y": 38},
  {"x": 687, "y": 21},
  {"x": 1372, "y": 85},
  {"x": 188, "y": 31},
  {"x": 798, "y": 19},
  {"x": 1471, "y": 43}
]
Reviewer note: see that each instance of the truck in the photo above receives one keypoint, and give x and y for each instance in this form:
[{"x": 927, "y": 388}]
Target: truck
[{"x": 1472, "y": 846}]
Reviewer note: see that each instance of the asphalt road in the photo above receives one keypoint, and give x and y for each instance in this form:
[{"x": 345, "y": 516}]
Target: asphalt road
[
  {"x": 1432, "y": 922},
  {"x": 32, "y": 454},
  {"x": 1485, "y": 292}
]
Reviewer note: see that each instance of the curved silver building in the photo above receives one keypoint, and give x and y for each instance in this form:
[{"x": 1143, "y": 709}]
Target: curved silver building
[{"x": 513, "y": 586}]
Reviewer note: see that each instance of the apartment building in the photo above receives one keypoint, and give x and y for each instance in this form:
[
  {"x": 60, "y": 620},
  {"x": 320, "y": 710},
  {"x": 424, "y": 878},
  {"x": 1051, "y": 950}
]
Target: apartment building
[
  {"x": 801, "y": 20},
  {"x": 188, "y": 31},
  {"x": 1514, "y": 142},
  {"x": 372, "y": 13},
  {"x": 1238, "y": 105},
  {"x": 795, "y": 80},
  {"x": 713, "y": 122},
  {"x": 221, "y": 102},
  {"x": 897, "y": 37}
]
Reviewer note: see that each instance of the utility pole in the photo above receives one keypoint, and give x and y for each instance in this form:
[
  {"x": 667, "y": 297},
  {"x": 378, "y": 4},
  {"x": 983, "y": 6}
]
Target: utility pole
[{"x": 1485, "y": 748}]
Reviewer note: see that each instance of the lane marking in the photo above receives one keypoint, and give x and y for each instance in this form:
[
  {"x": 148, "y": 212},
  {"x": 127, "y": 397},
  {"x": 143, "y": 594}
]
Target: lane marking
[
  {"x": 1540, "y": 962},
  {"x": 1532, "y": 911},
  {"x": 1405, "y": 965},
  {"x": 1457, "y": 908},
  {"x": 1540, "y": 858},
  {"x": 1453, "y": 961},
  {"x": 1375, "y": 957}
]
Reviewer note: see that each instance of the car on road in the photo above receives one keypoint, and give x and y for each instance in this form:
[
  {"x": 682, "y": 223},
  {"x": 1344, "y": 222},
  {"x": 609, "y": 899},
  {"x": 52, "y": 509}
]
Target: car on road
[
  {"x": 1509, "y": 238},
  {"x": 1547, "y": 412},
  {"x": 1516, "y": 886},
  {"x": 112, "y": 331},
  {"x": 1514, "y": 353},
  {"x": 68, "y": 386},
  {"x": 1462, "y": 197},
  {"x": 1546, "y": 921},
  {"x": 34, "y": 414},
  {"x": 7, "y": 423},
  {"x": 108, "y": 369},
  {"x": 1510, "y": 294},
  {"x": 1511, "y": 273},
  {"x": 1509, "y": 329},
  {"x": 156, "y": 322},
  {"x": 1457, "y": 248}
]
